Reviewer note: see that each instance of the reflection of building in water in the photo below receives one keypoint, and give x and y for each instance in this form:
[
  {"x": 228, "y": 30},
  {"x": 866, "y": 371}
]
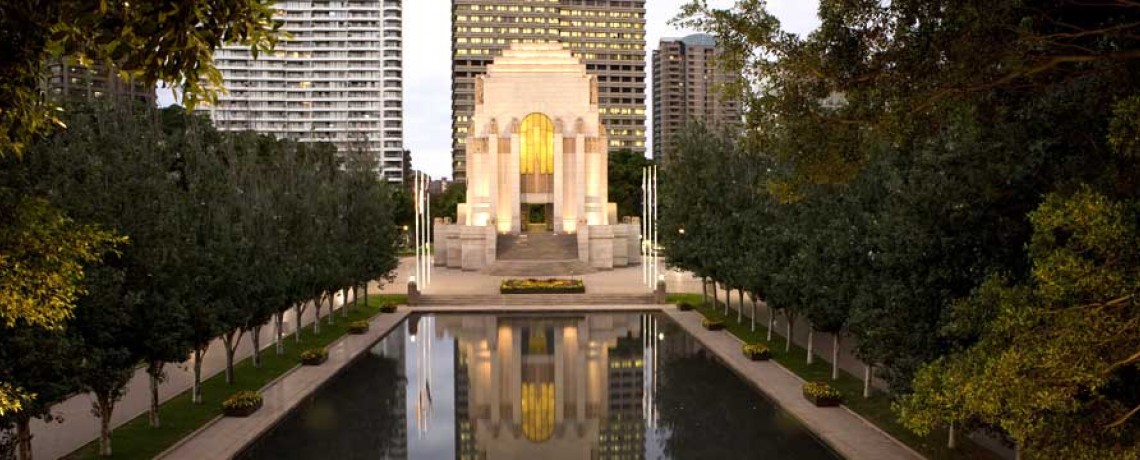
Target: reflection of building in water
[
  {"x": 465, "y": 448},
  {"x": 393, "y": 347},
  {"x": 622, "y": 435},
  {"x": 548, "y": 387}
]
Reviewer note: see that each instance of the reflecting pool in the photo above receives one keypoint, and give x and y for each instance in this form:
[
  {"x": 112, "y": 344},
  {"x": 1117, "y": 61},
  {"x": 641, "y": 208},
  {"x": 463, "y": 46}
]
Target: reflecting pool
[{"x": 546, "y": 386}]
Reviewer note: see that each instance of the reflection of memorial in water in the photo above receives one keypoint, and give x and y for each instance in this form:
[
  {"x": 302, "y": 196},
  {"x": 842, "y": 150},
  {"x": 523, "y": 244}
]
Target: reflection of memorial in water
[{"x": 555, "y": 386}]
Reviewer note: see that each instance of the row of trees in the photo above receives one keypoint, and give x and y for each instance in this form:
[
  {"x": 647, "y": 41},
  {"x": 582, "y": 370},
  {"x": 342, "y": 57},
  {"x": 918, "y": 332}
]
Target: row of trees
[
  {"x": 207, "y": 234},
  {"x": 954, "y": 185}
]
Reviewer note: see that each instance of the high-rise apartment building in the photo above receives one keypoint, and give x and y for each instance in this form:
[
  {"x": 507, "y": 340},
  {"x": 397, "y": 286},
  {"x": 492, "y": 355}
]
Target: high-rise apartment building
[
  {"x": 67, "y": 77},
  {"x": 687, "y": 87},
  {"x": 607, "y": 35},
  {"x": 338, "y": 79}
]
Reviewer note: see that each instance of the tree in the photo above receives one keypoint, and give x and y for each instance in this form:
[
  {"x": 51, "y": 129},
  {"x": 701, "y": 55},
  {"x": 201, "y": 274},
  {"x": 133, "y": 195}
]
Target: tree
[
  {"x": 1057, "y": 362},
  {"x": 150, "y": 40},
  {"x": 40, "y": 362},
  {"x": 626, "y": 172},
  {"x": 102, "y": 327}
]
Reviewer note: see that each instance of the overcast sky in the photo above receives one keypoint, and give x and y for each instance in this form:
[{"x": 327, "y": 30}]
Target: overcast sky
[{"x": 427, "y": 68}]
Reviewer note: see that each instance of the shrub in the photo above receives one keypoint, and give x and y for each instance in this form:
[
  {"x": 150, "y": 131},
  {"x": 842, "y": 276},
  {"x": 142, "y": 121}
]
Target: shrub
[
  {"x": 822, "y": 394},
  {"x": 242, "y": 404},
  {"x": 547, "y": 286},
  {"x": 684, "y": 306},
  {"x": 314, "y": 356},
  {"x": 712, "y": 324},
  {"x": 388, "y": 308},
  {"x": 757, "y": 352},
  {"x": 358, "y": 327}
]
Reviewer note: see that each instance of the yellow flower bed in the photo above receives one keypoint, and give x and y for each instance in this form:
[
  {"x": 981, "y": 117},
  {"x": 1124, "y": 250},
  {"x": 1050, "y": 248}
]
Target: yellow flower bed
[{"x": 546, "y": 286}]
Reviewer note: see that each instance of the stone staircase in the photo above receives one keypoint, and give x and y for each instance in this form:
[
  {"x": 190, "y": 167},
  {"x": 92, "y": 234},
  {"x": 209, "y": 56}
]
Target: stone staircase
[
  {"x": 537, "y": 246},
  {"x": 538, "y": 255},
  {"x": 533, "y": 300}
]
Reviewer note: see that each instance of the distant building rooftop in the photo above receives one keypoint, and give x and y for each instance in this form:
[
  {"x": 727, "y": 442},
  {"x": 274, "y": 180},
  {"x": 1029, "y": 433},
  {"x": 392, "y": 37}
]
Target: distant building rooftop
[{"x": 694, "y": 40}]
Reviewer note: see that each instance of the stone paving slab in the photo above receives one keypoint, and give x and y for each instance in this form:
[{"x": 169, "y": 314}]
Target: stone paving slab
[
  {"x": 225, "y": 437},
  {"x": 847, "y": 433},
  {"x": 551, "y": 309}
]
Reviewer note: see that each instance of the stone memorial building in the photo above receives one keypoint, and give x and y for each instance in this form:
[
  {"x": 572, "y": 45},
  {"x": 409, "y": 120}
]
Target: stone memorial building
[{"x": 537, "y": 179}]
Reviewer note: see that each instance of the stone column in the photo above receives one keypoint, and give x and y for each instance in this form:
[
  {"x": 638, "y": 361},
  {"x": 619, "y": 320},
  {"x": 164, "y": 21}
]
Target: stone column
[{"x": 559, "y": 172}]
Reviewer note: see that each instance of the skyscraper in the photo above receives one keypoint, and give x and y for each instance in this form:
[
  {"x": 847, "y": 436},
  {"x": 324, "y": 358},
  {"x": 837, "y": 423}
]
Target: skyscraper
[
  {"x": 67, "y": 77},
  {"x": 687, "y": 87},
  {"x": 338, "y": 79},
  {"x": 608, "y": 35}
]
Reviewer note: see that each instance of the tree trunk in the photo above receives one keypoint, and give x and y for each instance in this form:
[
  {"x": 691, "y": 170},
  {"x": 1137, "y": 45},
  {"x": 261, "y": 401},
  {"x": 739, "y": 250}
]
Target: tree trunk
[
  {"x": 317, "y": 319},
  {"x": 366, "y": 294},
  {"x": 344, "y": 305},
  {"x": 716, "y": 303},
  {"x": 297, "y": 329},
  {"x": 952, "y": 443},
  {"x": 280, "y": 319},
  {"x": 788, "y": 331},
  {"x": 154, "y": 371},
  {"x": 866, "y": 380},
  {"x": 196, "y": 396},
  {"x": 332, "y": 306},
  {"x": 771, "y": 321},
  {"x": 753, "y": 314},
  {"x": 255, "y": 336},
  {"x": 811, "y": 345},
  {"x": 834, "y": 356},
  {"x": 24, "y": 436},
  {"x": 740, "y": 306},
  {"x": 727, "y": 301},
  {"x": 105, "y": 406},
  {"x": 704, "y": 290},
  {"x": 230, "y": 342}
]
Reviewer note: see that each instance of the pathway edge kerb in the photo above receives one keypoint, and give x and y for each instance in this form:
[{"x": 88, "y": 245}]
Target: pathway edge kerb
[
  {"x": 842, "y": 406},
  {"x": 257, "y": 434},
  {"x": 215, "y": 420},
  {"x": 675, "y": 315}
]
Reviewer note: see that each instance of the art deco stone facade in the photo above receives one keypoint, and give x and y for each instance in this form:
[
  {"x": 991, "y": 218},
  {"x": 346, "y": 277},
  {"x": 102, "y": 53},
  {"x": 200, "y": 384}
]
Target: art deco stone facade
[
  {"x": 608, "y": 35},
  {"x": 536, "y": 139}
]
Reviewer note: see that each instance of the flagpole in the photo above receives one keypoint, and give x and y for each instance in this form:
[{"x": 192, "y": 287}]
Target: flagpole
[
  {"x": 415, "y": 207},
  {"x": 656, "y": 269},
  {"x": 644, "y": 223}
]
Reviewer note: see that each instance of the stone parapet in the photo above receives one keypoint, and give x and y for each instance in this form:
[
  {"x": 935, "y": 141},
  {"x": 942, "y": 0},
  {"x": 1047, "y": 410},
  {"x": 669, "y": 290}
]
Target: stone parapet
[{"x": 601, "y": 247}]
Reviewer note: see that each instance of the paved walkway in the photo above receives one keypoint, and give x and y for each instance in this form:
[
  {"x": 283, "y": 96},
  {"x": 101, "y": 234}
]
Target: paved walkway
[
  {"x": 79, "y": 427},
  {"x": 821, "y": 342},
  {"x": 847, "y": 433},
  {"x": 225, "y": 437}
]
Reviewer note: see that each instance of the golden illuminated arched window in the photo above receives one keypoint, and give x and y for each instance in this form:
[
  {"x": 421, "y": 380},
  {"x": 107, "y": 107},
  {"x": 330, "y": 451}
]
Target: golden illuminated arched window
[
  {"x": 538, "y": 392},
  {"x": 537, "y": 150}
]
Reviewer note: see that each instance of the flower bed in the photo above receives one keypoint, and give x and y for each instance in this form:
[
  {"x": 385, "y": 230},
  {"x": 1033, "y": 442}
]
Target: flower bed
[
  {"x": 358, "y": 327},
  {"x": 821, "y": 394},
  {"x": 314, "y": 356},
  {"x": 547, "y": 286},
  {"x": 242, "y": 404},
  {"x": 388, "y": 308},
  {"x": 712, "y": 324},
  {"x": 685, "y": 306},
  {"x": 757, "y": 352}
]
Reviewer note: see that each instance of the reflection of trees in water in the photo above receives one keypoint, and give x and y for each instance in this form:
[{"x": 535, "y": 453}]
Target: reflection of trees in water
[
  {"x": 708, "y": 412},
  {"x": 353, "y": 417}
]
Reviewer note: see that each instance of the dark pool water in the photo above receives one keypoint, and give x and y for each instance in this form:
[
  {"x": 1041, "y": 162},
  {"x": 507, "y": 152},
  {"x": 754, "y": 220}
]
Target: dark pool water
[{"x": 550, "y": 386}]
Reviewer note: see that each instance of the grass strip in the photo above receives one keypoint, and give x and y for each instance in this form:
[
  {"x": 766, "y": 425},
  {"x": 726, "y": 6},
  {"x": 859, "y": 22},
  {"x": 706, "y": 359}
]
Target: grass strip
[
  {"x": 876, "y": 409},
  {"x": 180, "y": 417}
]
